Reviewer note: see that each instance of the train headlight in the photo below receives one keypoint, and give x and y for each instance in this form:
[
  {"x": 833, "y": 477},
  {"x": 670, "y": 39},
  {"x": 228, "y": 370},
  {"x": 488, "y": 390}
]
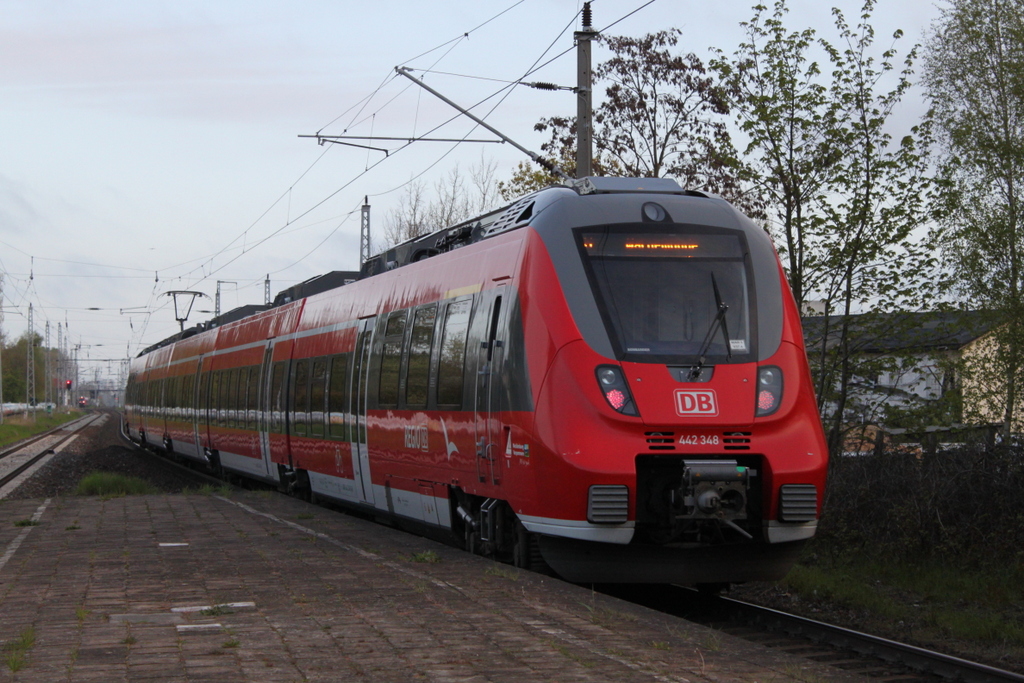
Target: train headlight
[
  {"x": 615, "y": 390},
  {"x": 769, "y": 390}
]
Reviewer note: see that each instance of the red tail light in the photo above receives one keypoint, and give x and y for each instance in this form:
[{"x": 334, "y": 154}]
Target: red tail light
[
  {"x": 769, "y": 390},
  {"x": 616, "y": 391}
]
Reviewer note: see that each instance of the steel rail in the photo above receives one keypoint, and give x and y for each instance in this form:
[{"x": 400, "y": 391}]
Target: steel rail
[
  {"x": 32, "y": 460},
  {"x": 720, "y": 612},
  {"x": 911, "y": 656},
  {"x": 25, "y": 443},
  {"x": 168, "y": 462}
]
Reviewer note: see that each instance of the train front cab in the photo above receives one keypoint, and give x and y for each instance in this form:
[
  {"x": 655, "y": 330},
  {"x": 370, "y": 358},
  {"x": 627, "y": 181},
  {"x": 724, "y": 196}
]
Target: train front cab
[{"x": 679, "y": 438}]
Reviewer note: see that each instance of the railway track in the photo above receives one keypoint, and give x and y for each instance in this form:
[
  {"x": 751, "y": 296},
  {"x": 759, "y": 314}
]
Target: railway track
[
  {"x": 20, "y": 457},
  {"x": 170, "y": 463},
  {"x": 850, "y": 650}
]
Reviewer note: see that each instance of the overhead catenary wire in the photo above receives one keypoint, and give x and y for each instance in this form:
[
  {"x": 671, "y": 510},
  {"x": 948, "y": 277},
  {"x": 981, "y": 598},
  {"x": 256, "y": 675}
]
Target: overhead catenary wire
[{"x": 209, "y": 265}]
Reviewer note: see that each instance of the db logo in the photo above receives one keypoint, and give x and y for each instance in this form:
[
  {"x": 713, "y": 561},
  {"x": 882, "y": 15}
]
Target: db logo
[{"x": 696, "y": 402}]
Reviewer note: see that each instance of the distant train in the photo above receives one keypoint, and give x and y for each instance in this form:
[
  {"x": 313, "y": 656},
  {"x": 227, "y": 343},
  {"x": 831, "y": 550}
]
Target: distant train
[{"x": 608, "y": 378}]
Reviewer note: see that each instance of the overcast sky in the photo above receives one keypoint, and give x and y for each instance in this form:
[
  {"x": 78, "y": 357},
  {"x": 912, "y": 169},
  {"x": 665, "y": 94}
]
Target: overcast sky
[{"x": 153, "y": 146}]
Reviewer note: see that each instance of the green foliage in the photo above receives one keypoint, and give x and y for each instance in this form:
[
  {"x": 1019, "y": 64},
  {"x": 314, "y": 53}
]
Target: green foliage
[
  {"x": 662, "y": 115},
  {"x": 15, "y": 652},
  {"x": 945, "y": 506},
  {"x": 974, "y": 74},
  {"x": 935, "y": 599},
  {"x": 846, "y": 197},
  {"x": 15, "y": 427},
  {"x": 14, "y": 365},
  {"x": 112, "y": 484},
  {"x": 790, "y": 121}
]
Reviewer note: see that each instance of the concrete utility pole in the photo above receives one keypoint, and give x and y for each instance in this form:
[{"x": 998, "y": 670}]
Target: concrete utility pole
[
  {"x": 30, "y": 370},
  {"x": 584, "y": 98},
  {"x": 364, "y": 233},
  {"x": 48, "y": 368},
  {"x": 61, "y": 389},
  {"x": 1, "y": 350},
  {"x": 266, "y": 290}
]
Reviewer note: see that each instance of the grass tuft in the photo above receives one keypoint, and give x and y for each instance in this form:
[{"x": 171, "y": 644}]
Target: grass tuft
[
  {"x": 112, "y": 484},
  {"x": 502, "y": 572},
  {"x": 15, "y": 652},
  {"x": 427, "y": 556}
]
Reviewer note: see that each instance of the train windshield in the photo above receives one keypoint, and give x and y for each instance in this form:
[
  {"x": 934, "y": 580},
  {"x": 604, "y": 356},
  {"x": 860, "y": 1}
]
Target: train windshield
[{"x": 672, "y": 296}]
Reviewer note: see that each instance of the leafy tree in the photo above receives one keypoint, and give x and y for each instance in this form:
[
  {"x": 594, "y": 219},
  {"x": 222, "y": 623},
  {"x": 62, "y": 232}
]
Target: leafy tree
[
  {"x": 790, "y": 121},
  {"x": 663, "y": 114},
  {"x": 871, "y": 258},
  {"x": 974, "y": 76},
  {"x": 843, "y": 197}
]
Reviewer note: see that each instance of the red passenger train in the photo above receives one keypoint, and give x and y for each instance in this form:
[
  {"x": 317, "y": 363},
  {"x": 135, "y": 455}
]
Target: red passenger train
[{"x": 608, "y": 378}]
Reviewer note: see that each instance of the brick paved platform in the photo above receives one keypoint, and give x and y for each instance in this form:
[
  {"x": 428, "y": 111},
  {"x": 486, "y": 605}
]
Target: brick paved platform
[{"x": 260, "y": 587}]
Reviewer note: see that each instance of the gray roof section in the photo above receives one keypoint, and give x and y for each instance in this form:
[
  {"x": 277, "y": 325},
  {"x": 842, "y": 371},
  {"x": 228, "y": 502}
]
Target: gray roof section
[{"x": 896, "y": 332}]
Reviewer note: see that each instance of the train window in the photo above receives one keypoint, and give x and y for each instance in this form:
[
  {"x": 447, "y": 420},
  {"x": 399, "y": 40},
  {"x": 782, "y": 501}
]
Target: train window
[
  {"x": 391, "y": 360},
  {"x": 336, "y": 397},
  {"x": 277, "y": 397},
  {"x": 300, "y": 397},
  {"x": 419, "y": 357},
  {"x": 317, "y": 395},
  {"x": 451, "y": 369},
  {"x": 189, "y": 396},
  {"x": 204, "y": 397},
  {"x": 240, "y": 397},
  {"x": 243, "y": 396},
  {"x": 233, "y": 398},
  {"x": 225, "y": 392},
  {"x": 223, "y": 400},
  {"x": 252, "y": 405},
  {"x": 671, "y": 296}
]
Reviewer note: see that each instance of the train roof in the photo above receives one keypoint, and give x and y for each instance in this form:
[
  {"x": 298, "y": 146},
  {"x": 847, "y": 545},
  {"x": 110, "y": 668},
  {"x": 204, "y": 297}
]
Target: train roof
[{"x": 509, "y": 217}]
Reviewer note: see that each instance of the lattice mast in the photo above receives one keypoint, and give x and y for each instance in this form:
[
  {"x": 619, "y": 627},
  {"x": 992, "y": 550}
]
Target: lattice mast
[{"x": 364, "y": 232}]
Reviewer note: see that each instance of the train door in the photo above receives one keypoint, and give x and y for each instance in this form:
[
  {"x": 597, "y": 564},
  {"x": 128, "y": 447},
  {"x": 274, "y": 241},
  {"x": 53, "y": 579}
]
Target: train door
[
  {"x": 359, "y": 393},
  {"x": 263, "y": 419},
  {"x": 489, "y": 356}
]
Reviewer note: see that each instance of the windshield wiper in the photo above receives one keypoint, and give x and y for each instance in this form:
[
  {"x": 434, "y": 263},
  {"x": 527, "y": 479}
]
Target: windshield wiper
[{"x": 718, "y": 322}]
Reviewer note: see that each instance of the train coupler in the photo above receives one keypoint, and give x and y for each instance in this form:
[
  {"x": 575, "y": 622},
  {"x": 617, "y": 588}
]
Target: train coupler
[{"x": 712, "y": 489}]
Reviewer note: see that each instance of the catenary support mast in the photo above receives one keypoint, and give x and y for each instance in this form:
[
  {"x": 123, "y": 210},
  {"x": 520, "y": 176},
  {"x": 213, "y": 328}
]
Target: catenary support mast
[{"x": 584, "y": 99}]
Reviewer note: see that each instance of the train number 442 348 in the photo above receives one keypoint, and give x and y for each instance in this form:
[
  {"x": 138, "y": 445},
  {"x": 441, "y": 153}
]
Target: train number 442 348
[{"x": 699, "y": 439}]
